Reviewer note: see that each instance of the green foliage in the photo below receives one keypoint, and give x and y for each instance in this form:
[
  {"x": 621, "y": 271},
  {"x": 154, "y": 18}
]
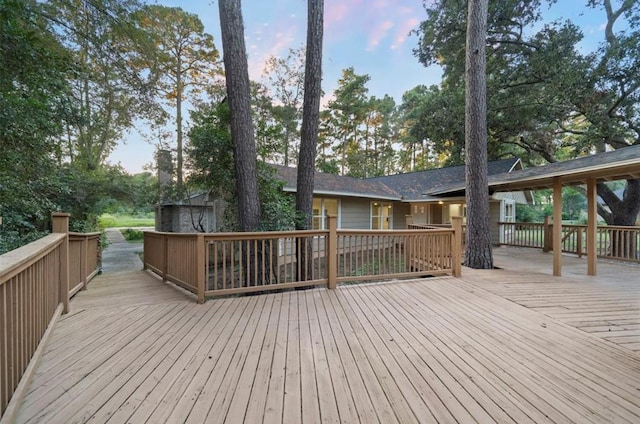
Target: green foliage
[
  {"x": 286, "y": 77},
  {"x": 180, "y": 60},
  {"x": 574, "y": 204},
  {"x": 132, "y": 235},
  {"x": 278, "y": 208},
  {"x": 548, "y": 100},
  {"x": 430, "y": 127},
  {"x": 210, "y": 160},
  {"x": 33, "y": 84},
  {"x": 105, "y": 96},
  {"x": 119, "y": 220},
  {"x": 529, "y": 213},
  {"x": 357, "y": 131}
]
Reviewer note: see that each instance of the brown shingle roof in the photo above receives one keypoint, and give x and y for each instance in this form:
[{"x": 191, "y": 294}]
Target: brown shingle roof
[
  {"x": 408, "y": 186},
  {"x": 338, "y": 185},
  {"x": 618, "y": 164},
  {"x": 413, "y": 185}
]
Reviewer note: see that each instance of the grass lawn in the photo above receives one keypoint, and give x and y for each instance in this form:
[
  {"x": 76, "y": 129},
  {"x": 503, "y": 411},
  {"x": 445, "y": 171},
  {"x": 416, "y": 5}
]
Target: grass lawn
[{"x": 108, "y": 220}]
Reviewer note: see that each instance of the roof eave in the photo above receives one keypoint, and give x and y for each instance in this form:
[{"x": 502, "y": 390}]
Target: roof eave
[{"x": 347, "y": 194}]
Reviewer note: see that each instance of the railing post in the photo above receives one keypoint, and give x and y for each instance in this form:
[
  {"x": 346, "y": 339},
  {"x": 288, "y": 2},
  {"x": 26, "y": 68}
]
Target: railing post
[
  {"x": 456, "y": 246},
  {"x": 201, "y": 267},
  {"x": 547, "y": 235},
  {"x": 332, "y": 252},
  {"x": 145, "y": 249},
  {"x": 84, "y": 261},
  {"x": 60, "y": 224},
  {"x": 579, "y": 242},
  {"x": 165, "y": 256}
]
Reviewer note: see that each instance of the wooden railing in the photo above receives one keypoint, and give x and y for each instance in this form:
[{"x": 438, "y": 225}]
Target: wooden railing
[
  {"x": 217, "y": 264},
  {"x": 612, "y": 242},
  {"x": 34, "y": 291},
  {"x": 84, "y": 251},
  {"x": 370, "y": 255},
  {"x": 523, "y": 234}
]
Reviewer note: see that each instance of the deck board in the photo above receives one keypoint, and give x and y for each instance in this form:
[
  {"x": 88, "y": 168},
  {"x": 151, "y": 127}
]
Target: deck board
[
  {"x": 607, "y": 306},
  {"x": 493, "y": 346}
]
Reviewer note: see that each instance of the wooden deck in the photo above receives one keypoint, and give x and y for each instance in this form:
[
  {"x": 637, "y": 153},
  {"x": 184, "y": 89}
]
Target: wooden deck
[
  {"x": 607, "y": 306},
  {"x": 430, "y": 350}
]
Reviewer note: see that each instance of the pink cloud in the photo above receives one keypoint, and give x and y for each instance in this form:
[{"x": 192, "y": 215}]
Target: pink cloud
[
  {"x": 378, "y": 33},
  {"x": 403, "y": 30},
  {"x": 335, "y": 12},
  {"x": 274, "y": 45}
]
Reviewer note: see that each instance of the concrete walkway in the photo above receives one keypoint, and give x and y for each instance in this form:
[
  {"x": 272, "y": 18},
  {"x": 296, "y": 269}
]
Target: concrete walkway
[{"x": 120, "y": 255}]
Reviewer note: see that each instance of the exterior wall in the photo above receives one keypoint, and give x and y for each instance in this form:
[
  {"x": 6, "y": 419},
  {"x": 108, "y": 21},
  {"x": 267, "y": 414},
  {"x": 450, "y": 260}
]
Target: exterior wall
[
  {"x": 355, "y": 213},
  {"x": 436, "y": 214},
  {"x": 164, "y": 218},
  {"x": 400, "y": 212},
  {"x": 182, "y": 219},
  {"x": 517, "y": 196},
  {"x": 419, "y": 212},
  {"x": 178, "y": 218},
  {"x": 440, "y": 215},
  {"x": 495, "y": 215}
]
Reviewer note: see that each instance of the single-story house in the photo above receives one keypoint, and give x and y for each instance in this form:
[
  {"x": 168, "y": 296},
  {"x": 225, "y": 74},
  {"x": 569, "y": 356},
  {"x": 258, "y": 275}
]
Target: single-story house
[{"x": 388, "y": 202}]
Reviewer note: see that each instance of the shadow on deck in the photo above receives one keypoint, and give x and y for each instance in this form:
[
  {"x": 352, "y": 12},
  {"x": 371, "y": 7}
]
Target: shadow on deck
[{"x": 494, "y": 346}]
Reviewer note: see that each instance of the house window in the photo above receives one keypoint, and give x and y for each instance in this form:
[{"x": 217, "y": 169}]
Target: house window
[
  {"x": 509, "y": 211},
  {"x": 381, "y": 216},
  {"x": 322, "y": 208}
]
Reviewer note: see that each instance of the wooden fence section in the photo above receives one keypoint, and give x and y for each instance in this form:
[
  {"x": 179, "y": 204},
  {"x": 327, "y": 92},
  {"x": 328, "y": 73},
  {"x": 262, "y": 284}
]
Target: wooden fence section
[
  {"x": 84, "y": 250},
  {"x": 523, "y": 234},
  {"x": 373, "y": 255},
  {"x": 612, "y": 242},
  {"x": 226, "y": 263},
  {"x": 30, "y": 286},
  {"x": 34, "y": 290}
]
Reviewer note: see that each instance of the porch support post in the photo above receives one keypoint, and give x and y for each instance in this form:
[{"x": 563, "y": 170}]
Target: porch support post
[
  {"x": 557, "y": 226},
  {"x": 592, "y": 227}
]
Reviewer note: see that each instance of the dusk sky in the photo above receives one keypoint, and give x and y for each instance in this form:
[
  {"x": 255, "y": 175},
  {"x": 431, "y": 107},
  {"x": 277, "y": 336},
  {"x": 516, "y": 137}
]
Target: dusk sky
[{"x": 370, "y": 35}]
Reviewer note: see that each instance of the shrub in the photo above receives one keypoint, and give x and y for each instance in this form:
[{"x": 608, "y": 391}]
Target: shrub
[{"x": 131, "y": 234}]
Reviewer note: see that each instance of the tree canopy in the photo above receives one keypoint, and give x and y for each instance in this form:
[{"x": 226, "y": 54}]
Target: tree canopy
[{"x": 547, "y": 99}]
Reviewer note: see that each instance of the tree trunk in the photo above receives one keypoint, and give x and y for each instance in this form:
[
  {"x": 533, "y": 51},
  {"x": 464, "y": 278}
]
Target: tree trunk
[
  {"x": 478, "y": 252},
  {"x": 179, "y": 89},
  {"x": 622, "y": 212},
  {"x": 309, "y": 129},
  {"x": 238, "y": 95}
]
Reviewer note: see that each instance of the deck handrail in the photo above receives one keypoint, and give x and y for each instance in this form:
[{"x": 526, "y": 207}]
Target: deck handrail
[
  {"x": 215, "y": 264},
  {"x": 84, "y": 259},
  {"x": 34, "y": 291},
  {"x": 613, "y": 241}
]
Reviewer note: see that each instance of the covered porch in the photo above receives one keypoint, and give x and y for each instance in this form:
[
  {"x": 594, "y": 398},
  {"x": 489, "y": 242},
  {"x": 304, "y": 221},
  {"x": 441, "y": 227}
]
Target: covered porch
[
  {"x": 508, "y": 345},
  {"x": 620, "y": 164}
]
